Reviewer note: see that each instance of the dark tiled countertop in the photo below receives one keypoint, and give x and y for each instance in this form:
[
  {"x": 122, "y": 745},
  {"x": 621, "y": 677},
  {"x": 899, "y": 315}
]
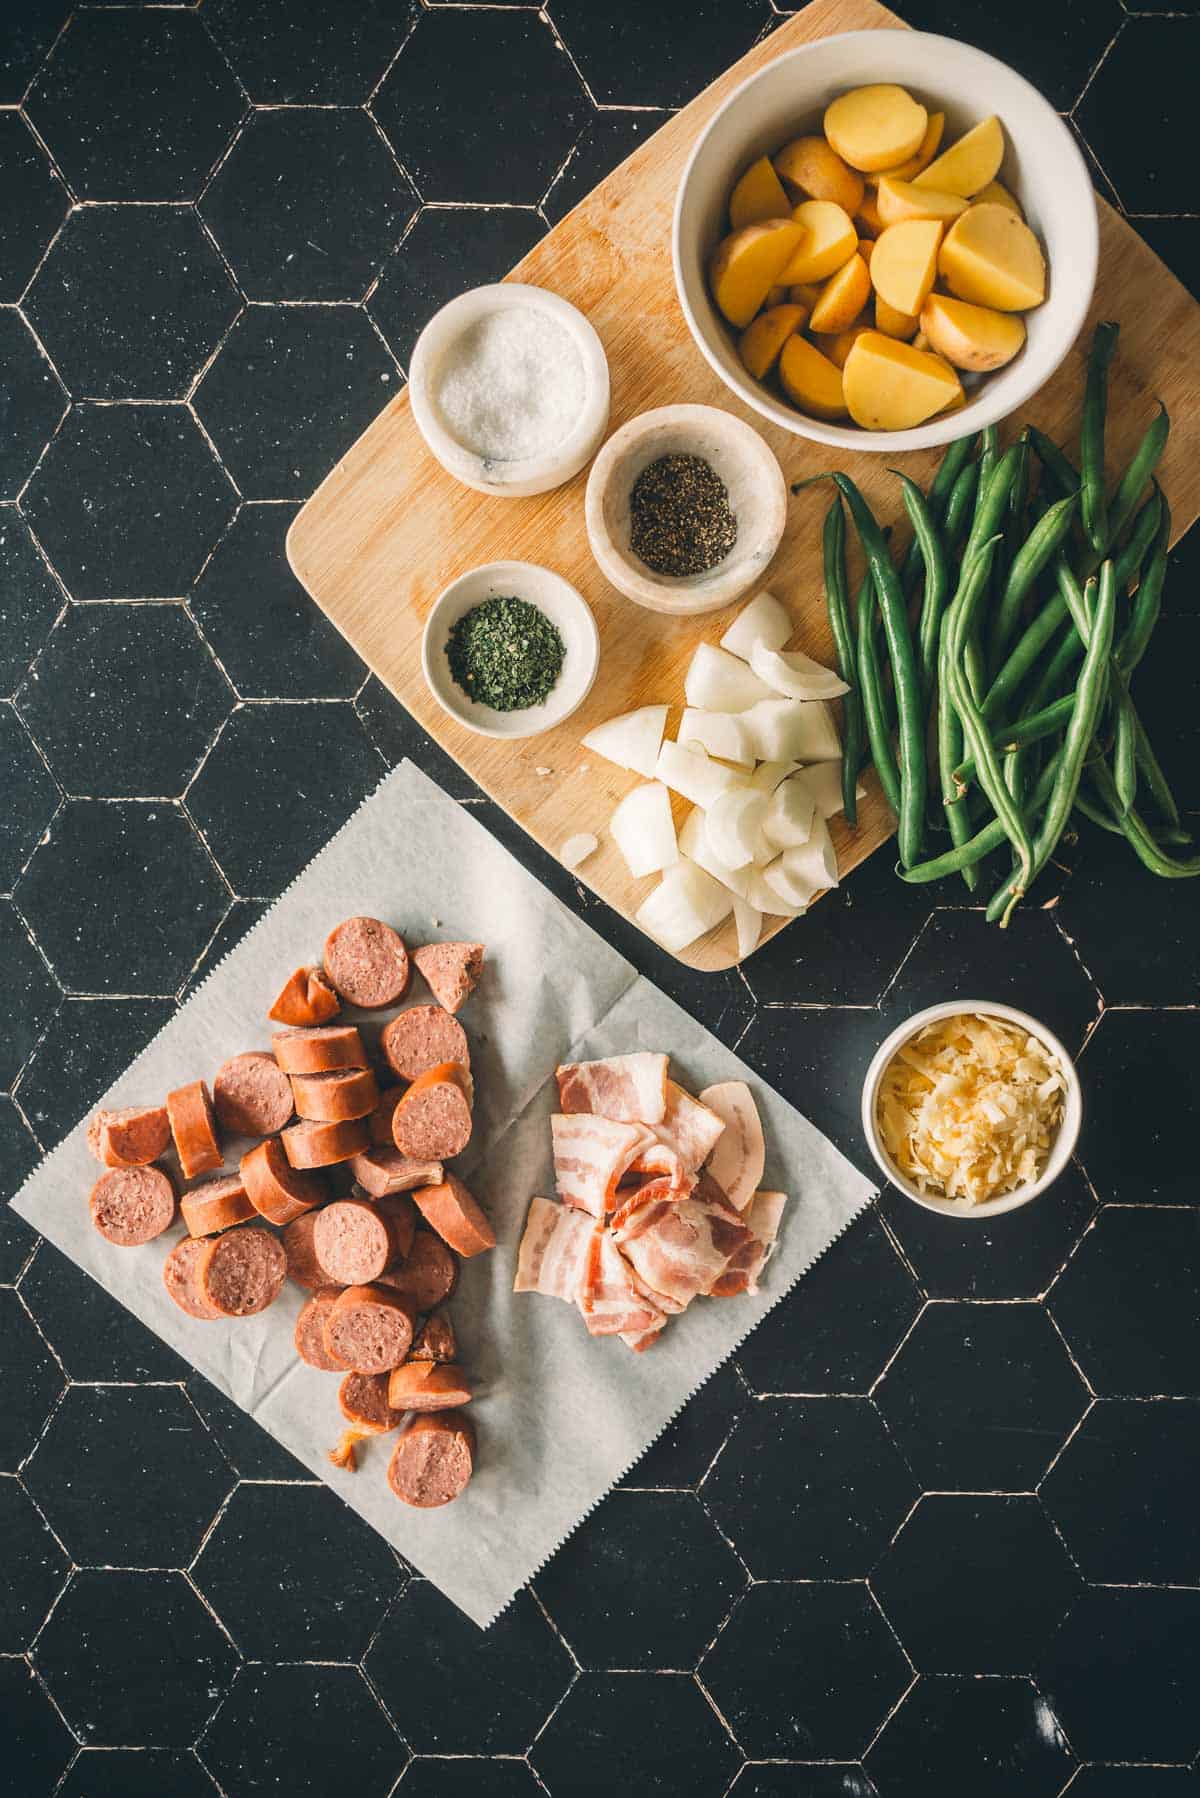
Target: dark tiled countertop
[{"x": 935, "y": 1532}]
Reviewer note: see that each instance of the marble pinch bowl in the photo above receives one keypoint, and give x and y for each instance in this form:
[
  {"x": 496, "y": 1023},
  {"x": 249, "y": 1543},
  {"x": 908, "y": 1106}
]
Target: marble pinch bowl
[
  {"x": 562, "y": 605},
  {"x": 757, "y": 494}
]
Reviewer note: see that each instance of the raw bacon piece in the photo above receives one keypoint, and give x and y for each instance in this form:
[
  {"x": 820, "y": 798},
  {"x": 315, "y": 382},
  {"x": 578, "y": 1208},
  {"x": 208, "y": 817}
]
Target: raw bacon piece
[
  {"x": 660, "y": 1160},
  {"x": 737, "y": 1161},
  {"x": 762, "y": 1216},
  {"x": 681, "y": 1247},
  {"x": 689, "y": 1128},
  {"x": 629, "y": 1089},
  {"x": 640, "y": 1340},
  {"x": 590, "y": 1155},
  {"x": 610, "y": 1302},
  {"x": 553, "y": 1249}
]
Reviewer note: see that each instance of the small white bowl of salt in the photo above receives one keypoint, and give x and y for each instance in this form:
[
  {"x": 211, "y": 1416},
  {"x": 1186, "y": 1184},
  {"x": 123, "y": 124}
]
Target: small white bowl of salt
[{"x": 509, "y": 388}]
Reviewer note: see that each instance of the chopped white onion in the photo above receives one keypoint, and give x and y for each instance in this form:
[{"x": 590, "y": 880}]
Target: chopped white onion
[
  {"x": 733, "y": 825},
  {"x": 789, "y": 816},
  {"x": 689, "y": 771},
  {"x": 767, "y": 775},
  {"x": 576, "y": 849},
  {"x": 796, "y": 675},
  {"x": 761, "y": 893},
  {"x": 748, "y": 920},
  {"x": 644, "y": 831},
  {"x": 631, "y": 740},
  {"x": 721, "y": 733},
  {"x": 764, "y": 620},
  {"x": 694, "y": 843},
  {"x": 800, "y": 730},
  {"x": 790, "y": 884},
  {"x": 824, "y": 782},
  {"x": 718, "y": 682},
  {"x": 685, "y": 904},
  {"x": 811, "y": 865}
]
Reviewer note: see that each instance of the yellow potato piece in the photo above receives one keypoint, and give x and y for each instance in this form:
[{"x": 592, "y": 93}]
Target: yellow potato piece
[
  {"x": 890, "y": 386},
  {"x": 996, "y": 194},
  {"x": 905, "y": 262},
  {"x": 760, "y": 343},
  {"x": 892, "y": 323},
  {"x": 758, "y": 196},
  {"x": 968, "y": 164},
  {"x": 975, "y": 337},
  {"x": 829, "y": 240},
  {"x": 905, "y": 171},
  {"x": 838, "y": 348},
  {"x": 867, "y": 220},
  {"x": 842, "y": 298},
  {"x": 748, "y": 263},
  {"x": 814, "y": 170},
  {"x": 873, "y": 128},
  {"x": 992, "y": 258},
  {"x": 811, "y": 381},
  {"x": 900, "y": 200}
]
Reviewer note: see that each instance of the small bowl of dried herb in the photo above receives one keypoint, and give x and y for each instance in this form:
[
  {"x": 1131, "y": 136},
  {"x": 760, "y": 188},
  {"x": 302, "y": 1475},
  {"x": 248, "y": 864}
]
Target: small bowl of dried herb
[{"x": 510, "y": 649}]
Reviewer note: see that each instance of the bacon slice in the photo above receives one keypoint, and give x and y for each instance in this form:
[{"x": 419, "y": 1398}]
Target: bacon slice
[
  {"x": 738, "y": 1158},
  {"x": 660, "y": 1159},
  {"x": 689, "y": 1128},
  {"x": 629, "y": 1089},
  {"x": 679, "y": 1248},
  {"x": 762, "y": 1216},
  {"x": 590, "y": 1155},
  {"x": 640, "y": 1340},
  {"x": 553, "y": 1250},
  {"x": 608, "y": 1297}
]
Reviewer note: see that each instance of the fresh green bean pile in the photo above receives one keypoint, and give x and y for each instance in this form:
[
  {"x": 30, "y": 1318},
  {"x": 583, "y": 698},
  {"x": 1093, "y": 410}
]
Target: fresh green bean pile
[{"x": 991, "y": 668}]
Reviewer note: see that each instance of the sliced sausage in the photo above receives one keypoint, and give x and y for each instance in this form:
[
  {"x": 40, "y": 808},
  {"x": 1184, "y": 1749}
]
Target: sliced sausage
[
  {"x": 216, "y": 1205},
  {"x": 130, "y": 1137},
  {"x": 428, "y": 1274},
  {"x": 181, "y": 1277},
  {"x": 302, "y": 1264},
  {"x": 380, "y": 1121},
  {"x": 451, "y": 970},
  {"x": 251, "y": 1094},
  {"x": 367, "y": 962},
  {"x": 436, "y": 1340},
  {"x": 353, "y": 1241},
  {"x": 132, "y": 1205},
  {"x": 319, "y": 1050},
  {"x": 427, "y": 1386},
  {"x": 381, "y": 1171},
  {"x": 401, "y": 1217},
  {"x": 243, "y": 1271},
  {"x": 193, "y": 1127},
  {"x": 306, "y": 999},
  {"x": 433, "y": 1460},
  {"x": 278, "y": 1191},
  {"x": 363, "y": 1399},
  {"x": 323, "y": 1145},
  {"x": 310, "y": 1331},
  {"x": 432, "y": 1122},
  {"x": 334, "y": 1097},
  {"x": 371, "y": 1328},
  {"x": 456, "y": 1216},
  {"x": 420, "y": 1038}
]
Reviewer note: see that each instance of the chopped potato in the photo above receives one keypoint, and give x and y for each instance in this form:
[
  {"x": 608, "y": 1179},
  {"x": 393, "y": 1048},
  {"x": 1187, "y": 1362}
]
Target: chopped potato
[
  {"x": 892, "y": 323},
  {"x": 838, "y": 347},
  {"x": 889, "y": 386},
  {"x": 968, "y": 164},
  {"x": 761, "y": 341},
  {"x": 749, "y": 262},
  {"x": 974, "y": 337},
  {"x": 992, "y": 258},
  {"x": 758, "y": 196},
  {"x": 810, "y": 380},
  {"x": 905, "y": 171},
  {"x": 995, "y": 193},
  {"x": 905, "y": 262},
  {"x": 842, "y": 298},
  {"x": 867, "y": 218},
  {"x": 900, "y": 200},
  {"x": 816, "y": 172},
  {"x": 873, "y": 128},
  {"x": 829, "y": 240}
]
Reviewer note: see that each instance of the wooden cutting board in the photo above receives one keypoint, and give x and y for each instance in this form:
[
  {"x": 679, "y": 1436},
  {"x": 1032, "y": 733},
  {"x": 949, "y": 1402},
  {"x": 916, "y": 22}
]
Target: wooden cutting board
[{"x": 388, "y": 529}]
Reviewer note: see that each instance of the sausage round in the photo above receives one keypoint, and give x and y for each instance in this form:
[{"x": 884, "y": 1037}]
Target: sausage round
[
  {"x": 363, "y": 1400},
  {"x": 243, "y": 1271},
  {"x": 371, "y": 1328},
  {"x": 400, "y": 1215},
  {"x": 320, "y": 1050},
  {"x": 427, "y": 1386},
  {"x": 433, "y": 1460},
  {"x": 310, "y": 1331},
  {"x": 216, "y": 1205},
  {"x": 332, "y": 1098},
  {"x": 324, "y": 1145},
  {"x": 181, "y": 1278},
  {"x": 382, "y": 1171},
  {"x": 420, "y": 1038},
  {"x": 436, "y": 1340},
  {"x": 130, "y": 1136},
  {"x": 353, "y": 1242},
  {"x": 278, "y": 1191},
  {"x": 380, "y": 1121},
  {"x": 306, "y": 999},
  {"x": 190, "y": 1114},
  {"x": 132, "y": 1205},
  {"x": 450, "y": 970},
  {"x": 251, "y": 1094},
  {"x": 453, "y": 1212},
  {"x": 302, "y": 1264},
  {"x": 367, "y": 962},
  {"x": 432, "y": 1122},
  {"x": 428, "y": 1273}
]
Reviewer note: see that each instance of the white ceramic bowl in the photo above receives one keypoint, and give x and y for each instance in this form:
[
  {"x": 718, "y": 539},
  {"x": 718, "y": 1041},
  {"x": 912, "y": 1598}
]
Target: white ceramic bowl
[
  {"x": 1064, "y": 1142},
  {"x": 1042, "y": 167},
  {"x": 534, "y": 474},
  {"x": 562, "y": 605},
  {"x": 757, "y": 496}
]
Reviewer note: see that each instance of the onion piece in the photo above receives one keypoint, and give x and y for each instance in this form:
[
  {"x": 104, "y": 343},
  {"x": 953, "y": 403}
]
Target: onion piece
[
  {"x": 764, "y": 620},
  {"x": 644, "y": 831},
  {"x": 824, "y": 782},
  {"x": 721, "y": 733},
  {"x": 718, "y": 682},
  {"x": 796, "y": 675},
  {"x": 748, "y": 920},
  {"x": 685, "y": 904},
  {"x": 694, "y": 843},
  {"x": 768, "y": 898},
  {"x": 576, "y": 849},
  {"x": 800, "y": 730},
  {"x": 809, "y": 869},
  {"x": 631, "y": 740},
  {"x": 733, "y": 825},
  {"x": 789, "y": 816},
  {"x": 689, "y": 771},
  {"x": 767, "y": 775}
]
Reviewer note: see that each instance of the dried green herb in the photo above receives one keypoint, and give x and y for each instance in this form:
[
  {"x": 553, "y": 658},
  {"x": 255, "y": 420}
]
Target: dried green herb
[
  {"x": 505, "y": 653},
  {"x": 680, "y": 518}
]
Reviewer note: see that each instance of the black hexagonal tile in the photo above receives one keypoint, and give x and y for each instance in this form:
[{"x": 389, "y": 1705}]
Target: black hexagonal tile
[
  {"x": 130, "y": 302},
  {"x": 809, "y": 1488},
  {"x": 448, "y": 250},
  {"x": 1147, "y": 181},
  {"x": 431, "y": 1778},
  {"x": 1116, "y": 1495},
  {"x": 684, "y": 1452},
  {"x": 32, "y": 1380},
  {"x": 606, "y": 141},
  {"x": 510, "y": 136},
  {"x": 272, "y": 641},
  {"x": 396, "y": 735},
  {"x": 278, "y": 783},
  {"x": 1135, "y": 1782},
  {"x": 35, "y": 204},
  {"x": 667, "y": 1739},
  {"x": 1140, "y": 1065},
  {"x": 88, "y": 1043},
  {"x": 1124, "y": 1676},
  {"x": 128, "y": 501},
  {"x": 121, "y": 896},
  {"x": 1151, "y": 965},
  {"x": 633, "y": 55},
  {"x": 1125, "y": 1302},
  {"x": 30, "y": 798},
  {"x": 806, "y": 1671},
  {"x": 32, "y": 402},
  {"x": 35, "y": 1567},
  {"x": 975, "y": 1585},
  {"x": 330, "y": 1576},
  {"x": 1055, "y": 47},
  {"x": 106, "y": 664},
  {"x": 309, "y": 1730},
  {"x": 137, "y": 1773},
  {"x": 290, "y": 391},
  {"x": 517, "y": 1670},
  {"x": 30, "y": 598},
  {"x": 128, "y": 1476},
  {"x": 835, "y": 1331},
  {"x": 1180, "y": 595},
  {"x": 646, "y": 1582},
  {"x": 136, "y": 105},
  {"x": 818, "y": 1058},
  {"x": 134, "y": 1657},
  {"x": 989, "y": 1737},
  {"x": 285, "y": 55},
  {"x": 241, "y": 916},
  {"x": 37, "y": 1745},
  {"x": 307, "y": 204},
  {"x": 93, "y": 1336},
  {"x": 28, "y": 35},
  {"x": 245, "y": 1444},
  {"x": 29, "y": 995},
  {"x": 18, "y": 1157},
  {"x": 833, "y": 1779}
]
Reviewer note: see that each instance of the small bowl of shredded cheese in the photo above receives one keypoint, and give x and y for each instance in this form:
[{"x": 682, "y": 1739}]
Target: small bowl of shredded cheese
[{"x": 972, "y": 1108}]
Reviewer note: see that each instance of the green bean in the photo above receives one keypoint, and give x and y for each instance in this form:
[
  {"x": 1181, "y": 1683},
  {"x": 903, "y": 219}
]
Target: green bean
[
  {"x": 1042, "y": 542},
  {"x": 960, "y": 507},
  {"x": 1097, "y": 814},
  {"x": 1130, "y": 559},
  {"x": 1147, "y": 602},
  {"x": 1055, "y": 463},
  {"x": 955, "y": 460},
  {"x": 949, "y": 749},
  {"x": 838, "y": 607},
  {"x": 1035, "y": 726},
  {"x": 1073, "y": 596},
  {"x": 989, "y": 454},
  {"x": 1125, "y": 757},
  {"x": 1141, "y": 838},
  {"x": 1149, "y": 768},
  {"x": 937, "y": 580},
  {"x": 870, "y": 682},
  {"x": 996, "y": 481},
  {"x": 1142, "y": 463},
  {"x": 964, "y": 857},
  {"x": 1091, "y": 438},
  {"x": 1024, "y": 654}
]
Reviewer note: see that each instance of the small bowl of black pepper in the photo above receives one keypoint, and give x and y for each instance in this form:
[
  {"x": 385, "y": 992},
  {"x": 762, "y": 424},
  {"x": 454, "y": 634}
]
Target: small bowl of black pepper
[
  {"x": 510, "y": 649},
  {"x": 685, "y": 509}
]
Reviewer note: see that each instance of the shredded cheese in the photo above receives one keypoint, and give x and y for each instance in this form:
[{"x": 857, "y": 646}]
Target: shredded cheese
[{"x": 968, "y": 1108}]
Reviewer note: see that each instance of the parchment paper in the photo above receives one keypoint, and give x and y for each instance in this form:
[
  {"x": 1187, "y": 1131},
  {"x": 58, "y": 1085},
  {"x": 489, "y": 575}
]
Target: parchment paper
[{"x": 560, "y": 1416}]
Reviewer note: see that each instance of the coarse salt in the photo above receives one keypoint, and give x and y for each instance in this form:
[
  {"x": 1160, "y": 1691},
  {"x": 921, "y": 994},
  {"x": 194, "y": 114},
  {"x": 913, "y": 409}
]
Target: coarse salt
[{"x": 512, "y": 386}]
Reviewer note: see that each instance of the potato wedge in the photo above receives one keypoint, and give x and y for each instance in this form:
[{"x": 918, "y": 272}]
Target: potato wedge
[
  {"x": 817, "y": 172},
  {"x": 842, "y": 298},
  {"x": 804, "y": 293},
  {"x": 873, "y": 128},
  {"x": 760, "y": 343},
  {"x": 991, "y": 258},
  {"x": 837, "y": 348},
  {"x": 757, "y": 196},
  {"x": 968, "y": 164},
  {"x": 905, "y": 171},
  {"x": 974, "y": 337},
  {"x": 867, "y": 220},
  {"x": 889, "y": 386},
  {"x": 811, "y": 381},
  {"x": 829, "y": 240},
  {"x": 904, "y": 263},
  {"x": 996, "y": 194},
  {"x": 902, "y": 325},
  {"x": 900, "y": 200},
  {"x": 748, "y": 263}
]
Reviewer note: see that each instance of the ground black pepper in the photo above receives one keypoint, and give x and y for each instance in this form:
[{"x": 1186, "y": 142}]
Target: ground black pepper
[
  {"x": 505, "y": 653},
  {"x": 680, "y": 516}
]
